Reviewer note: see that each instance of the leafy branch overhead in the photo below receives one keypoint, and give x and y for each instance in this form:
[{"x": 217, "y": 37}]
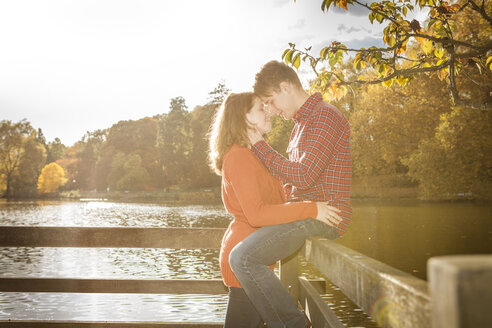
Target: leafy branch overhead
[{"x": 454, "y": 40}]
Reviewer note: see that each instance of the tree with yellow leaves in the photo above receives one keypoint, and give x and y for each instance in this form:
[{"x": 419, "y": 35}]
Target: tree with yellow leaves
[
  {"x": 52, "y": 177},
  {"x": 453, "y": 41}
]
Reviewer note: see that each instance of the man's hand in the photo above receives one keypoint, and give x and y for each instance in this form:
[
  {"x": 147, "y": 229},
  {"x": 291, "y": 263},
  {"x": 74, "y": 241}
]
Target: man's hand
[
  {"x": 328, "y": 214},
  {"x": 254, "y": 135}
]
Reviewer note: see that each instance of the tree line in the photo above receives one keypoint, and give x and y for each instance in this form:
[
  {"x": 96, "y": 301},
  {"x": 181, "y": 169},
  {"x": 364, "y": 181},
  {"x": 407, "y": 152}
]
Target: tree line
[
  {"x": 157, "y": 152},
  {"x": 412, "y": 133}
]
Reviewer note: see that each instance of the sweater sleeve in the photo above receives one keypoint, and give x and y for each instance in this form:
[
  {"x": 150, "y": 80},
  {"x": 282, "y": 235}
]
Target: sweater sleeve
[{"x": 240, "y": 170}]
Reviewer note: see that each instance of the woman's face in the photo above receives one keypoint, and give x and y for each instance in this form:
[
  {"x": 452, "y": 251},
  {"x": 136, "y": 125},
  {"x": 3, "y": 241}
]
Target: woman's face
[{"x": 258, "y": 117}]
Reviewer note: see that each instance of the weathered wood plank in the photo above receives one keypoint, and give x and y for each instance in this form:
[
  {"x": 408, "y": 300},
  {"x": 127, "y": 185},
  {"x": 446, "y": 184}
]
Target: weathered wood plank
[
  {"x": 461, "y": 290},
  {"x": 125, "y": 237},
  {"x": 146, "y": 286},
  {"x": 392, "y": 297},
  {"x": 289, "y": 271},
  {"x": 105, "y": 324},
  {"x": 316, "y": 308}
]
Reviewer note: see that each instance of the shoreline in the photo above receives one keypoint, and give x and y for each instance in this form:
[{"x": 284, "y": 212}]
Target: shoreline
[
  {"x": 371, "y": 188},
  {"x": 198, "y": 197}
]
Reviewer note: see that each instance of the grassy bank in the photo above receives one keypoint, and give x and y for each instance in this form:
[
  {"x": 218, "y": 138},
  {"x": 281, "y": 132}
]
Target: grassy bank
[
  {"x": 384, "y": 187},
  {"x": 377, "y": 187}
]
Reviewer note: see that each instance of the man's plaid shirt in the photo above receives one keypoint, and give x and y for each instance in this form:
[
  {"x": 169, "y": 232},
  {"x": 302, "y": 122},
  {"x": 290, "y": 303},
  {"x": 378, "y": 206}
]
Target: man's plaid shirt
[{"x": 320, "y": 162}]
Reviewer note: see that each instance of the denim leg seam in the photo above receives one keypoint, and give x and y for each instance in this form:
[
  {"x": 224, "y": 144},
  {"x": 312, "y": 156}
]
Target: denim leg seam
[
  {"x": 248, "y": 272},
  {"x": 260, "y": 289}
]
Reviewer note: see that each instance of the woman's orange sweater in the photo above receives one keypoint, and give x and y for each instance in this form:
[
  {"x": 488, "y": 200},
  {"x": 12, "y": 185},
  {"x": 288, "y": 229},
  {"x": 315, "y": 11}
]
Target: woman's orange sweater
[{"x": 256, "y": 199}]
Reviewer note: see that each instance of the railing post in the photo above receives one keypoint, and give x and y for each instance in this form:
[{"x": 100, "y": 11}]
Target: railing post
[
  {"x": 289, "y": 273},
  {"x": 461, "y": 291}
]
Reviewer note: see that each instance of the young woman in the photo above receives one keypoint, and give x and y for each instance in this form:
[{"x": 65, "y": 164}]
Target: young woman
[{"x": 252, "y": 195}]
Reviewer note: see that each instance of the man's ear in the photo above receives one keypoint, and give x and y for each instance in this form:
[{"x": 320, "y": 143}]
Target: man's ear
[{"x": 285, "y": 86}]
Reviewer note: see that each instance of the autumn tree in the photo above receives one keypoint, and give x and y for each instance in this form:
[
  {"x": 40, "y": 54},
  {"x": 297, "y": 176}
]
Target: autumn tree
[
  {"x": 52, "y": 177},
  {"x": 12, "y": 140},
  {"x": 87, "y": 154},
  {"x": 388, "y": 123},
  {"x": 127, "y": 173},
  {"x": 55, "y": 150},
  {"x": 128, "y": 137},
  {"x": 200, "y": 121},
  {"x": 218, "y": 94},
  {"x": 201, "y": 117},
  {"x": 174, "y": 143},
  {"x": 457, "y": 160},
  {"x": 32, "y": 161},
  {"x": 279, "y": 136},
  {"x": 453, "y": 41}
]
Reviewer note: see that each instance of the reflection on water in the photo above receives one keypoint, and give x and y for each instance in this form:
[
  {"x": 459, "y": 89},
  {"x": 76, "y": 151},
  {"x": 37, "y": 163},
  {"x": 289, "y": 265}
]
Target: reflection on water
[
  {"x": 110, "y": 214},
  {"x": 406, "y": 234},
  {"x": 110, "y": 263},
  {"x": 403, "y": 235},
  {"x": 112, "y": 307}
]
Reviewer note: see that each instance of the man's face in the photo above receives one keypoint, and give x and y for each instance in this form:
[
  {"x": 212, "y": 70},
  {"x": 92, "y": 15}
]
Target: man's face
[{"x": 280, "y": 103}]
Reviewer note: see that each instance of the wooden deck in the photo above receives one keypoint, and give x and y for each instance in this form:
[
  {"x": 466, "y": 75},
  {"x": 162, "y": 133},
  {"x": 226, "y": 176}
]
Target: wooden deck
[{"x": 392, "y": 297}]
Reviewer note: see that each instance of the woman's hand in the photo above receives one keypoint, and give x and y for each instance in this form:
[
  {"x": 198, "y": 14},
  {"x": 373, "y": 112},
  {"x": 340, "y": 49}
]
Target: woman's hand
[{"x": 328, "y": 214}]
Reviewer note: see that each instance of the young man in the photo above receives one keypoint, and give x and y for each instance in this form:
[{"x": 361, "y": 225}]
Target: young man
[{"x": 319, "y": 168}]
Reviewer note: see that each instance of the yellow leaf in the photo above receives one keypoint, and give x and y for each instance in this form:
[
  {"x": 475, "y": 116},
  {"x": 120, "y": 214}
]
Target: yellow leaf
[
  {"x": 427, "y": 46},
  {"x": 420, "y": 40},
  {"x": 297, "y": 61},
  {"x": 401, "y": 81},
  {"x": 343, "y": 4},
  {"x": 388, "y": 83},
  {"x": 489, "y": 62},
  {"x": 439, "y": 52}
]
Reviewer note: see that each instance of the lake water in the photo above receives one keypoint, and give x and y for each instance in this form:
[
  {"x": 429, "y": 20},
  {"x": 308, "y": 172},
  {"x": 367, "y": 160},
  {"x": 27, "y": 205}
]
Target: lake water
[{"x": 401, "y": 234}]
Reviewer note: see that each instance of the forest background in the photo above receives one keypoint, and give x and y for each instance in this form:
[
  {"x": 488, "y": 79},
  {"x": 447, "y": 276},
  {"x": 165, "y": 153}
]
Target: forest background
[
  {"x": 406, "y": 142},
  {"x": 409, "y": 139}
]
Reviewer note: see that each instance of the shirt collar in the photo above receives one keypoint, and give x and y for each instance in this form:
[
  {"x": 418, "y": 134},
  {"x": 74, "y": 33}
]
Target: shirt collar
[{"x": 303, "y": 113}]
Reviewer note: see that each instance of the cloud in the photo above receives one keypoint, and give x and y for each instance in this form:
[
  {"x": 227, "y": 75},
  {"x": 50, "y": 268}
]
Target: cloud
[
  {"x": 352, "y": 43},
  {"x": 364, "y": 43},
  {"x": 298, "y": 25},
  {"x": 342, "y": 28}
]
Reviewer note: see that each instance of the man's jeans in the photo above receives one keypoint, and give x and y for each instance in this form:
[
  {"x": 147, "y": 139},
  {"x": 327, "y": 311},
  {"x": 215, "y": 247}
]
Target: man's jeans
[{"x": 250, "y": 261}]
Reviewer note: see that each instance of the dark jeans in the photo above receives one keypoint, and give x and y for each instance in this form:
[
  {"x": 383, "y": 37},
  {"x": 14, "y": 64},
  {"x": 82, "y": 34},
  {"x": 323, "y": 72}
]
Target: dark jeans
[
  {"x": 250, "y": 261},
  {"x": 240, "y": 312}
]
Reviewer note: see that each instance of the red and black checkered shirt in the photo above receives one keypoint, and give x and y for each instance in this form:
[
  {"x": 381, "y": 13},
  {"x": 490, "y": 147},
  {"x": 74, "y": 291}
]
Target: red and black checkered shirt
[{"x": 320, "y": 162}]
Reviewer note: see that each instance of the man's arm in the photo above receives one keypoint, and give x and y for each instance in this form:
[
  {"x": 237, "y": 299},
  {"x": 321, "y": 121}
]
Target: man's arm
[
  {"x": 319, "y": 146},
  {"x": 241, "y": 174}
]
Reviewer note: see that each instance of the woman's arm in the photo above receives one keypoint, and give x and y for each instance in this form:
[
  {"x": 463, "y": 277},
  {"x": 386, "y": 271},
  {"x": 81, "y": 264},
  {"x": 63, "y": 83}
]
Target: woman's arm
[{"x": 240, "y": 171}]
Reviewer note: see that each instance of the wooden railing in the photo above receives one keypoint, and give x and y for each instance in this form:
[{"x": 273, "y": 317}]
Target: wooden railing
[{"x": 459, "y": 292}]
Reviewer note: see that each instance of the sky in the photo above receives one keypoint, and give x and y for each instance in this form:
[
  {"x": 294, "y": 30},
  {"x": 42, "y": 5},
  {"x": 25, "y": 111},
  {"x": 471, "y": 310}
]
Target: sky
[{"x": 69, "y": 67}]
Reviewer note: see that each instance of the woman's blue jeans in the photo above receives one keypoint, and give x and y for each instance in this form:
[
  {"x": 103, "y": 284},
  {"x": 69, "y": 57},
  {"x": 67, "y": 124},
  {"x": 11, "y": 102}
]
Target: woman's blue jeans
[{"x": 250, "y": 261}]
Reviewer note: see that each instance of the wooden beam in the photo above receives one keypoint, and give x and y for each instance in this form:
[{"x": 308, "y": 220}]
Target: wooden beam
[
  {"x": 391, "y": 297},
  {"x": 105, "y": 324},
  {"x": 289, "y": 271},
  {"x": 461, "y": 289},
  {"x": 148, "y": 286},
  {"x": 316, "y": 308},
  {"x": 128, "y": 237}
]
